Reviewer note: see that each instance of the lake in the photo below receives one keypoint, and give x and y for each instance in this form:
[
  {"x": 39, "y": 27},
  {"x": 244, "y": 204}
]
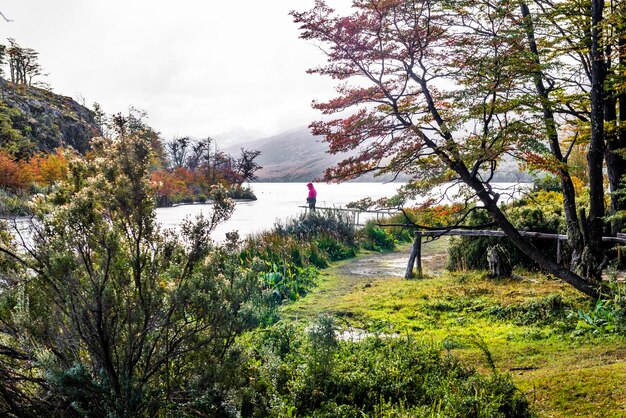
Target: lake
[
  {"x": 277, "y": 201},
  {"x": 280, "y": 201}
]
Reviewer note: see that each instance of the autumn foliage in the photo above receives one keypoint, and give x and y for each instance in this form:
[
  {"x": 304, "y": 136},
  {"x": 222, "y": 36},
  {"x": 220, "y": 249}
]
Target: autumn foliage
[
  {"x": 42, "y": 170},
  {"x": 14, "y": 176},
  {"x": 445, "y": 91}
]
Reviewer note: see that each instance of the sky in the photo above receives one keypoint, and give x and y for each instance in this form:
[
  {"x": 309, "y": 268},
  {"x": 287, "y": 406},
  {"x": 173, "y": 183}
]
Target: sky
[{"x": 234, "y": 70}]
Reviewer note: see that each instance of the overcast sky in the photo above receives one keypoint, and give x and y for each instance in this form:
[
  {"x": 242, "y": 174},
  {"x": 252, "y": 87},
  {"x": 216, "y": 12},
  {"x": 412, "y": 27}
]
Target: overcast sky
[{"x": 230, "y": 69}]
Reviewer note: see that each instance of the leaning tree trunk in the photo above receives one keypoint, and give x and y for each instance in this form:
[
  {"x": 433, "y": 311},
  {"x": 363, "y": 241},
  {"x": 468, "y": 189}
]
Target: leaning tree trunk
[{"x": 586, "y": 285}]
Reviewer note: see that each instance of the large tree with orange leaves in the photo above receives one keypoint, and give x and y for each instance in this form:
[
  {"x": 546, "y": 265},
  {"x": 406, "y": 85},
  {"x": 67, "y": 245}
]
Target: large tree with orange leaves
[{"x": 444, "y": 90}]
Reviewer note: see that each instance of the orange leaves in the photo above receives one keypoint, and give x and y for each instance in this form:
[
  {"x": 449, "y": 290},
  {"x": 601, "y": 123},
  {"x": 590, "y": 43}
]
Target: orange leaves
[
  {"x": 42, "y": 169},
  {"x": 14, "y": 176},
  {"x": 47, "y": 169},
  {"x": 547, "y": 162},
  {"x": 169, "y": 185},
  {"x": 435, "y": 216}
]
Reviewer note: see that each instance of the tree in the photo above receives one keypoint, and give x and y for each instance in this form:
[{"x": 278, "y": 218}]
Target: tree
[
  {"x": 132, "y": 123},
  {"x": 13, "y": 176},
  {"x": 106, "y": 314},
  {"x": 200, "y": 156},
  {"x": 442, "y": 92},
  {"x": 23, "y": 63},
  {"x": 48, "y": 169},
  {"x": 178, "y": 149},
  {"x": 246, "y": 164},
  {"x": 225, "y": 166}
]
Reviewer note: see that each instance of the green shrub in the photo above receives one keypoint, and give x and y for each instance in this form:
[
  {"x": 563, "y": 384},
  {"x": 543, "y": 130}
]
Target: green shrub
[
  {"x": 547, "y": 183},
  {"x": 288, "y": 282},
  {"x": 316, "y": 375},
  {"x": 14, "y": 205},
  {"x": 376, "y": 238},
  {"x": 542, "y": 311},
  {"x": 239, "y": 192},
  {"x": 540, "y": 212},
  {"x": 336, "y": 250},
  {"x": 606, "y": 316},
  {"x": 312, "y": 224}
]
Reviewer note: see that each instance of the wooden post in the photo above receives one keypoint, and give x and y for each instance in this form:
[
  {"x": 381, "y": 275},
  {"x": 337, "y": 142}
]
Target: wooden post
[
  {"x": 558, "y": 251},
  {"x": 416, "y": 255}
]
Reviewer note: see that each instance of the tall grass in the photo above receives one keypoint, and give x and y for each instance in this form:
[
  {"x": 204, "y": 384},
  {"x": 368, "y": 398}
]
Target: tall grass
[{"x": 287, "y": 258}]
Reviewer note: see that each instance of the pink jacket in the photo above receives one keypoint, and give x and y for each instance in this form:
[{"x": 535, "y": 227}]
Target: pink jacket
[{"x": 312, "y": 192}]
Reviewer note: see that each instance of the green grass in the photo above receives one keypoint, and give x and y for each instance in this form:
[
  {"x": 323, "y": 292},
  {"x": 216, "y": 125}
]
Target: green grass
[{"x": 523, "y": 322}]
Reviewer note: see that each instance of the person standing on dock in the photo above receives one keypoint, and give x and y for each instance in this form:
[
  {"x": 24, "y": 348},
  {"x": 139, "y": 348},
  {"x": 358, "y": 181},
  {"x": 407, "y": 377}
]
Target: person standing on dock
[{"x": 312, "y": 196}]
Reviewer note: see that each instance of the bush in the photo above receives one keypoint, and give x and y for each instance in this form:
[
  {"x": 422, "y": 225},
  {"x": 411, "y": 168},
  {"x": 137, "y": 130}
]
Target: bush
[
  {"x": 328, "y": 223},
  {"x": 547, "y": 183},
  {"x": 334, "y": 249},
  {"x": 540, "y": 212},
  {"x": 286, "y": 259},
  {"x": 13, "y": 175},
  {"x": 14, "y": 205},
  {"x": 606, "y": 316},
  {"x": 238, "y": 192},
  {"x": 546, "y": 310},
  {"x": 376, "y": 238},
  {"x": 315, "y": 375}
]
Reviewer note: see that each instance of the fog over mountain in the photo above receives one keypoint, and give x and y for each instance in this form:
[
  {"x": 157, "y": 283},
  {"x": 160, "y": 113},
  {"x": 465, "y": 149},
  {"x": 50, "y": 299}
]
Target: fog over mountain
[
  {"x": 298, "y": 156},
  {"x": 295, "y": 155}
]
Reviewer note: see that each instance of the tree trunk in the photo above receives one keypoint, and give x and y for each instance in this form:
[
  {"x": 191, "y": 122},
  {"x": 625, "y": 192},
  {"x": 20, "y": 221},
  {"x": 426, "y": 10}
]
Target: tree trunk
[
  {"x": 620, "y": 202},
  {"x": 416, "y": 255},
  {"x": 615, "y": 163},
  {"x": 586, "y": 285},
  {"x": 574, "y": 234},
  {"x": 592, "y": 256},
  {"x": 616, "y": 138}
]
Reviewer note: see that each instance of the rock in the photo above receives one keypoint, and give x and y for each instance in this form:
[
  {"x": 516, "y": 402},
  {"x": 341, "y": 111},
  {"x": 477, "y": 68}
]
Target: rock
[{"x": 48, "y": 120}]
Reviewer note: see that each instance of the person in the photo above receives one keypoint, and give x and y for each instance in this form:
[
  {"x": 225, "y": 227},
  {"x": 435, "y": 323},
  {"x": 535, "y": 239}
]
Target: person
[{"x": 312, "y": 196}]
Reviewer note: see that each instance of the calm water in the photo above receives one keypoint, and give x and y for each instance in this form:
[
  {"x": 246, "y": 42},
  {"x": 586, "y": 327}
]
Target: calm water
[
  {"x": 280, "y": 201},
  {"x": 277, "y": 201}
]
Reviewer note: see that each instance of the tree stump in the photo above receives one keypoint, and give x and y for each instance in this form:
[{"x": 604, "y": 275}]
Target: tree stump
[{"x": 499, "y": 262}]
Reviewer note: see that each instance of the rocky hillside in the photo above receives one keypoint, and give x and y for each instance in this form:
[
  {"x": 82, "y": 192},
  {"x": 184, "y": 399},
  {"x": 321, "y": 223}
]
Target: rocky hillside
[{"x": 32, "y": 119}]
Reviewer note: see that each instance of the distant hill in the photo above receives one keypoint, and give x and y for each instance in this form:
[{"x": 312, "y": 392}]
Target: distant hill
[
  {"x": 292, "y": 156},
  {"x": 298, "y": 156},
  {"x": 44, "y": 120}
]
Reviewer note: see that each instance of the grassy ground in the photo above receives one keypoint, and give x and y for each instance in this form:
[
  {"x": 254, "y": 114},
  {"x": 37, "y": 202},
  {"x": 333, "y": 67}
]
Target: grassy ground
[{"x": 523, "y": 322}]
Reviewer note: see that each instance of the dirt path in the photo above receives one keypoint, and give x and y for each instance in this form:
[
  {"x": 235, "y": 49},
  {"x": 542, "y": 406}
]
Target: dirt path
[
  {"x": 349, "y": 276},
  {"x": 393, "y": 264}
]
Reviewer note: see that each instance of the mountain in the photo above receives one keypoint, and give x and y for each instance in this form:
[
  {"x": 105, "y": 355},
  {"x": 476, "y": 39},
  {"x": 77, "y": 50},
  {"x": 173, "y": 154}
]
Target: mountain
[
  {"x": 33, "y": 119},
  {"x": 298, "y": 156},
  {"x": 292, "y": 156}
]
